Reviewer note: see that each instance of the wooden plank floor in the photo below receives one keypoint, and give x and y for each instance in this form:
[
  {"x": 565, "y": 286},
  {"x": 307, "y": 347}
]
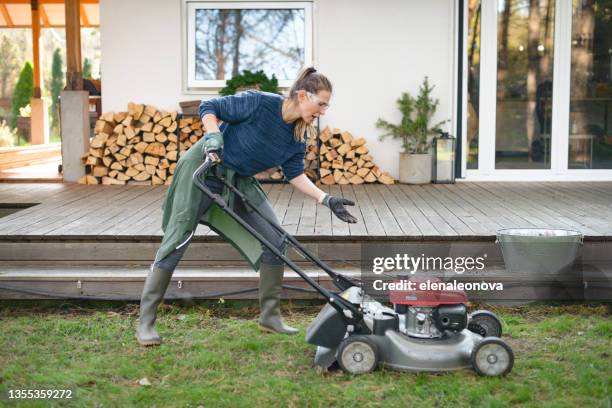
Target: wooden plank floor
[{"x": 465, "y": 210}]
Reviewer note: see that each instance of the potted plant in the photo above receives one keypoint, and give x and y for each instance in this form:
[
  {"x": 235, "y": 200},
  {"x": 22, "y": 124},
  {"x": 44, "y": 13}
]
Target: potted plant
[{"x": 415, "y": 133}]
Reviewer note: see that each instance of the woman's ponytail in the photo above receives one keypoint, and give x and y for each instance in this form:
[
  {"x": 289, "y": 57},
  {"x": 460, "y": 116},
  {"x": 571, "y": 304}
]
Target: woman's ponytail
[{"x": 311, "y": 81}]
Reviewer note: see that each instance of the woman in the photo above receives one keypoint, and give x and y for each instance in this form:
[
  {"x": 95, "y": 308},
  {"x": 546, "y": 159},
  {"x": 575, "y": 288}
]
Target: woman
[{"x": 263, "y": 130}]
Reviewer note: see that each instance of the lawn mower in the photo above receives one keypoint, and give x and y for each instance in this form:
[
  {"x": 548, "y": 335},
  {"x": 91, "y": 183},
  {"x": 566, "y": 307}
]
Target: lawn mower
[{"x": 424, "y": 331}]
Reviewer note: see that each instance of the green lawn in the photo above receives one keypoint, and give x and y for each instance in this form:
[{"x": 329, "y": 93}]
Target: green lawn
[{"x": 215, "y": 355}]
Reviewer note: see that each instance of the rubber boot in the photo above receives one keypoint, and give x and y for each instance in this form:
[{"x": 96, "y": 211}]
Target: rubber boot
[
  {"x": 270, "y": 287},
  {"x": 152, "y": 294}
]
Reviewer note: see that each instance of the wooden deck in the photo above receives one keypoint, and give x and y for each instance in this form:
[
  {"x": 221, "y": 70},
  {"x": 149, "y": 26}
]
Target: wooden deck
[
  {"x": 461, "y": 211},
  {"x": 31, "y": 164},
  {"x": 70, "y": 240}
]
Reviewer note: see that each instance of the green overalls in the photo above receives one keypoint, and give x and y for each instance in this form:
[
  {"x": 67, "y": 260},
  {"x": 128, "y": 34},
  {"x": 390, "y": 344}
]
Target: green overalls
[{"x": 183, "y": 200}]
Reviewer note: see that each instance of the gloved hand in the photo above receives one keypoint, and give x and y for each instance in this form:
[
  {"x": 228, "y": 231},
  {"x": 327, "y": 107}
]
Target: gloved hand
[
  {"x": 213, "y": 144},
  {"x": 336, "y": 204}
]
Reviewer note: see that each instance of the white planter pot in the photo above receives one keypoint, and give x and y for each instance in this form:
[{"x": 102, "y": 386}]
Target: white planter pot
[{"x": 415, "y": 168}]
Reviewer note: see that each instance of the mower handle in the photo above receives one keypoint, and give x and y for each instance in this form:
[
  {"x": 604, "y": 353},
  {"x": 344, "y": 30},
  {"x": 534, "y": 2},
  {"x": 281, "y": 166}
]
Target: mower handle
[{"x": 210, "y": 159}]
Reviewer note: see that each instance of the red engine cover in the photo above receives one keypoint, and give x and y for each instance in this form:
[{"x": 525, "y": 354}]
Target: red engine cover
[{"x": 420, "y": 297}]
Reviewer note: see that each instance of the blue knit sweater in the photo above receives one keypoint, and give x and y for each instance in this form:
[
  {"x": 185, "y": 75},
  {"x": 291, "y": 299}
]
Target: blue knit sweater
[{"x": 256, "y": 137}]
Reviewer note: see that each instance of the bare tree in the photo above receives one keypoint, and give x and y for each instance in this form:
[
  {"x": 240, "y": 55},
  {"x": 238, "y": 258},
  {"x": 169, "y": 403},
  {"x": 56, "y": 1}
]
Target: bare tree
[
  {"x": 280, "y": 19},
  {"x": 220, "y": 39},
  {"x": 9, "y": 65},
  {"x": 472, "y": 88},
  {"x": 238, "y": 32},
  {"x": 548, "y": 38},
  {"x": 502, "y": 65},
  {"x": 230, "y": 41},
  {"x": 533, "y": 38},
  {"x": 582, "y": 58}
]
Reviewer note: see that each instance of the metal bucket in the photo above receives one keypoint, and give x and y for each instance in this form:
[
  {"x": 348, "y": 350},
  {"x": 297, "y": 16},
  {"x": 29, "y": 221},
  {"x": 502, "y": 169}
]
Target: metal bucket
[{"x": 543, "y": 259}]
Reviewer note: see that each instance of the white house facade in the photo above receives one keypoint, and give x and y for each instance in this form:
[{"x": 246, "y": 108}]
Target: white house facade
[{"x": 525, "y": 84}]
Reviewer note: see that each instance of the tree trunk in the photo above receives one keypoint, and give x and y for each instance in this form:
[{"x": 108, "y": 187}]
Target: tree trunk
[
  {"x": 548, "y": 40},
  {"x": 582, "y": 61},
  {"x": 533, "y": 38},
  {"x": 237, "y": 36},
  {"x": 472, "y": 90},
  {"x": 502, "y": 66},
  {"x": 220, "y": 43}
]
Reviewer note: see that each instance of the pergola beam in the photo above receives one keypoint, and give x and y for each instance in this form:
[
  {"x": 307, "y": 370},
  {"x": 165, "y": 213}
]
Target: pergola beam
[
  {"x": 14, "y": 14},
  {"x": 45, "y": 19},
  {"x": 43, "y": 15},
  {"x": 6, "y": 15},
  {"x": 84, "y": 15},
  {"x": 45, "y": 1}
]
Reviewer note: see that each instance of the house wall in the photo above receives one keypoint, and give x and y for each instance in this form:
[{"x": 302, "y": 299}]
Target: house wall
[{"x": 371, "y": 51}]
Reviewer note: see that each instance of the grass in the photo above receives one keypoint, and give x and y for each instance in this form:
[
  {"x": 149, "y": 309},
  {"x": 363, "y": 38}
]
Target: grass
[{"x": 215, "y": 355}]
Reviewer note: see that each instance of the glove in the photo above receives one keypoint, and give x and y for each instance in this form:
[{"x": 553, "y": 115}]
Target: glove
[
  {"x": 213, "y": 143},
  {"x": 336, "y": 204}
]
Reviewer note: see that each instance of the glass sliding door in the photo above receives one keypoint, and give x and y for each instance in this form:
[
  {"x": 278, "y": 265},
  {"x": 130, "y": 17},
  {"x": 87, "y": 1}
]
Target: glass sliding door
[
  {"x": 524, "y": 84},
  {"x": 590, "y": 127},
  {"x": 538, "y": 92}
]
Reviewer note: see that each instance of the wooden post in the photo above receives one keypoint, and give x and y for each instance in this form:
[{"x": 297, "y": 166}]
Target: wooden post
[
  {"x": 36, "y": 47},
  {"x": 74, "y": 72},
  {"x": 39, "y": 123}
]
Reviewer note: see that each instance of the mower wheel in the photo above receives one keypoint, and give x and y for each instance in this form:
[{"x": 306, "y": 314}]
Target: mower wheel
[
  {"x": 485, "y": 323},
  {"x": 492, "y": 357},
  {"x": 358, "y": 355}
]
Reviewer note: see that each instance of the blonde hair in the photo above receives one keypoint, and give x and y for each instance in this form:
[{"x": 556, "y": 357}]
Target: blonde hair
[{"x": 311, "y": 81}]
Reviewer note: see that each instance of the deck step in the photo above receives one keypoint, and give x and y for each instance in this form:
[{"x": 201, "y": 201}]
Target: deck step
[
  {"x": 125, "y": 283},
  {"x": 204, "y": 251},
  {"x": 96, "y": 282}
]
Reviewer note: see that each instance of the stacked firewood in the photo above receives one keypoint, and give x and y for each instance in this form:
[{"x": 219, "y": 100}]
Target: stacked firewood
[
  {"x": 343, "y": 160},
  {"x": 140, "y": 146}
]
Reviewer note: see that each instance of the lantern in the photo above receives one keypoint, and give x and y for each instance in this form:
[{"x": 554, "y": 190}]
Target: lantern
[{"x": 443, "y": 159}]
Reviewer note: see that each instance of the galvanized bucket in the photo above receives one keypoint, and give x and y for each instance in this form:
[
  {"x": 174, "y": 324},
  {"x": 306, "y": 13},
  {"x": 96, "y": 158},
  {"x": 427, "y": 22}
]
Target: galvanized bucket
[{"x": 545, "y": 258}]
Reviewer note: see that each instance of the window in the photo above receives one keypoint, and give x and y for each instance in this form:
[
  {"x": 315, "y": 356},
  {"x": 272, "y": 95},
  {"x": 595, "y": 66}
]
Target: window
[{"x": 225, "y": 38}]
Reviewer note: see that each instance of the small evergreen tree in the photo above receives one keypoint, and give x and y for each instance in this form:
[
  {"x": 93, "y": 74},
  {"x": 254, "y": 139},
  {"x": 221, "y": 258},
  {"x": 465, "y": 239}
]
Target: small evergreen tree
[
  {"x": 24, "y": 91},
  {"x": 414, "y": 129},
  {"x": 86, "y": 68},
  {"x": 57, "y": 84}
]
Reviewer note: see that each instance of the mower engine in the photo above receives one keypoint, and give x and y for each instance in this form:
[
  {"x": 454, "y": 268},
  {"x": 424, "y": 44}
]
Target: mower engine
[
  {"x": 430, "y": 322},
  {"x": 429, "y": 314}
]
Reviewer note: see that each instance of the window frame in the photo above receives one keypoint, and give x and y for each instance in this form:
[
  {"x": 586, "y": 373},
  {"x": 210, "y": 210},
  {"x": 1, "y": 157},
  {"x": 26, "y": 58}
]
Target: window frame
[{"x": 190, "y": 84}]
